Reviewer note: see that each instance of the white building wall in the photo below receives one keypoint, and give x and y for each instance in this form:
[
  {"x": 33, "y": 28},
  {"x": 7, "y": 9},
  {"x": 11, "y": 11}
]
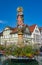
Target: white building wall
[
  {"x": 14, "y": 38},
  {"x": 27, "y": 38},
  {"x": 6, "y": 36},
  {"x": 36, "y": 35},
  {"x": 41, "y": 36}
]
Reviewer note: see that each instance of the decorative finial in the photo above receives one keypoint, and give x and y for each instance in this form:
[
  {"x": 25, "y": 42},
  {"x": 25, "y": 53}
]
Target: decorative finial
[{"x": 19, "y": 9}]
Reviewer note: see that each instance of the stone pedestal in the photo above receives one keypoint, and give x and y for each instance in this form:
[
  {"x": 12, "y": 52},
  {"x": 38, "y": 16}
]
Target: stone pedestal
[{"x": 20, "y": 39}]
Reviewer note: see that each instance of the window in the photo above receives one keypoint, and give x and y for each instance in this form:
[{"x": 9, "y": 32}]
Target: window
[
  {"x": 36, "y": 31},
  {"x": 7, "y": 32},
  {"x": 36, "y": 38},
  {"x": 15, "y": 35},
  {"x": 7, "y": 36}
]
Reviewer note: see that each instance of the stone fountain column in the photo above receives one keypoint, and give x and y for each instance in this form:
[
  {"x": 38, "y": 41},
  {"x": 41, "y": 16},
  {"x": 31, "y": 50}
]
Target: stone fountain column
[
  {"x": 20, "y": 23},
  {"x": 20, "y": 38}
]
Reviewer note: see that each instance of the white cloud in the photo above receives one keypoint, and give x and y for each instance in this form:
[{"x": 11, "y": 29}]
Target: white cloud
[{"x": 1, "y": 21}]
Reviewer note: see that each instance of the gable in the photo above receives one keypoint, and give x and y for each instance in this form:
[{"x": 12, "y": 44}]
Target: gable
[
  {"x": 36, "y": 30},
  {"x": 6, "y": 28},
  {"x": 27, "y": 30},
  {"x": 6, "y": 31},
  {"x": 31, "y": 28}
]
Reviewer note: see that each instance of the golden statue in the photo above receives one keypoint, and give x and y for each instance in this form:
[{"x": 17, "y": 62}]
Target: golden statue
[{"x": 19, "y": 9}]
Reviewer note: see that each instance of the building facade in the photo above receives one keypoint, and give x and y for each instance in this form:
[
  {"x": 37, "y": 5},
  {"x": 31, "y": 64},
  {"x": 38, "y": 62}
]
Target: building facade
[
  {"x": 22, "y": 33},
  {"x": 35, "y": 34},
  {"x": 41, "y": 34}
]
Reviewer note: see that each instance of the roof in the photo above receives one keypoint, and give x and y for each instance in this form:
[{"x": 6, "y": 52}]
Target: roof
[
  {"x": 14, "y": 30},
  {"x": 31, "y": 28},
  {"x": 9, "y": 27}
]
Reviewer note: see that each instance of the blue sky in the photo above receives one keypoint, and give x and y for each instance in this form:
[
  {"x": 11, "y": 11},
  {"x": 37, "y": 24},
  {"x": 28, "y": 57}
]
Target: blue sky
[{"x": 32, "y": 12}]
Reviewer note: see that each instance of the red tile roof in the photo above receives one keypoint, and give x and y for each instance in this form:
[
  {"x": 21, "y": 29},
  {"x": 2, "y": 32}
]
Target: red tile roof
[
  {"x": 14, "y": 30},
  {"x": 31, "y": 28}
]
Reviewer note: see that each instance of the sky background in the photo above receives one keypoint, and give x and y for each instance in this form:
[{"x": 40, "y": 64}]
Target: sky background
[{"x": 8, "y": 12}]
